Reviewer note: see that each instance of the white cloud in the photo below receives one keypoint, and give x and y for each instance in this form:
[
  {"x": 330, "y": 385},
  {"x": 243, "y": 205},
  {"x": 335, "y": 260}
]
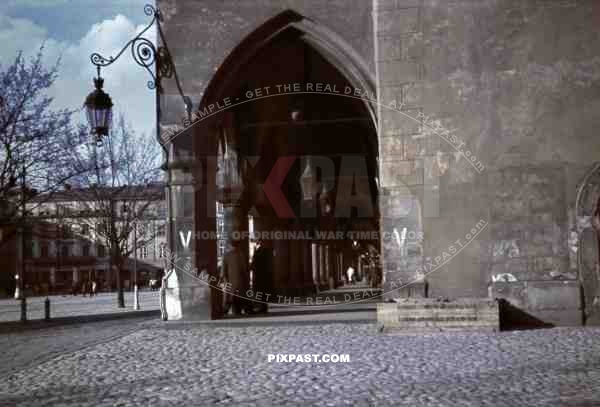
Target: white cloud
[
  {"x": 125, "y": 81},
  {"x": 17, "y": 34}
]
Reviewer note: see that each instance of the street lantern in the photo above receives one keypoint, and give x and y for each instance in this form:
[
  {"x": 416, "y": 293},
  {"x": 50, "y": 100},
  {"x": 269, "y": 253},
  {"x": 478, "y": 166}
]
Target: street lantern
[
  {"x": 99, "y": 110},
  {"x": 155, "y": 60}
]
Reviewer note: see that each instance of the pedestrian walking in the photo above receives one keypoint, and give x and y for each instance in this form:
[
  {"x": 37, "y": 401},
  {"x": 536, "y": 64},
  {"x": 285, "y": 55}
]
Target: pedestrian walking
[{"x": 350, "y": 273}]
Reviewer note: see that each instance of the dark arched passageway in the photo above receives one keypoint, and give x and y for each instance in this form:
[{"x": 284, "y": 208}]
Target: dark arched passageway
[{"x": 301, "y": 111}]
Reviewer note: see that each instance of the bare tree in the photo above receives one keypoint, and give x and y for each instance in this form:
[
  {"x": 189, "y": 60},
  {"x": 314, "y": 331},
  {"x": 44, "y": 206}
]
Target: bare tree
[
  {"x": 119, "y": 193},
  {"x": 33, "y": 136}
]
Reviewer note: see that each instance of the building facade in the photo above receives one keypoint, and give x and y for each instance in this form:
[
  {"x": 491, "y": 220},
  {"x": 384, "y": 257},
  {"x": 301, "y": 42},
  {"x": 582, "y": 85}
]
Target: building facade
[
  {"x": 65, "y": 245},
  {"x": 475, "y": 120}
]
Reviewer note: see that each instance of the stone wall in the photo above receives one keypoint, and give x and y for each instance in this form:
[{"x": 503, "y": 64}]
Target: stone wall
[
  {"x": 517, "y": 84},
  {"x": 488, "y": 119}
]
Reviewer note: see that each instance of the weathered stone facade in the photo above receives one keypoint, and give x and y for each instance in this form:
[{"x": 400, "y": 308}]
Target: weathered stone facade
[{"x": 487, "y": 122}]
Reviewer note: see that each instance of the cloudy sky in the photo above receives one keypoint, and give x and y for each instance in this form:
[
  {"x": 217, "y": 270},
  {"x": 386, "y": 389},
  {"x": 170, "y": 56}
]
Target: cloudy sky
[{"x": 72, "y": 30}]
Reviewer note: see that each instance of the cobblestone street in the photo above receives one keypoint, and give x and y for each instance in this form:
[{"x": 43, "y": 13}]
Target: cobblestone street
[{"x": 164, "y": 364}]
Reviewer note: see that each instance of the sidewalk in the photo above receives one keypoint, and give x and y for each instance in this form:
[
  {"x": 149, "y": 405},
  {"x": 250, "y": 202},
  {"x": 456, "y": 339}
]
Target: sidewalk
[
  {"x": 78, "y": 307},
  {"x": 354, "y": 312},
  {"x": 68, "y": 309}
]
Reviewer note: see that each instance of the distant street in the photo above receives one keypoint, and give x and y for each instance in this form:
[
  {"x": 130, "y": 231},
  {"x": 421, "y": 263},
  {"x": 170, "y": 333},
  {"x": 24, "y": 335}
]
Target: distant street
[{"x": 70, "y": 306}]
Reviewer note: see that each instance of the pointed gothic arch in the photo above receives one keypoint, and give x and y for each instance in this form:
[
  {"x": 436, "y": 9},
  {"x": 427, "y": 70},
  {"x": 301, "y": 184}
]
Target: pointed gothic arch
[
  {"x": 329, "y": 44},
  {"x": 302, "y": 50}
]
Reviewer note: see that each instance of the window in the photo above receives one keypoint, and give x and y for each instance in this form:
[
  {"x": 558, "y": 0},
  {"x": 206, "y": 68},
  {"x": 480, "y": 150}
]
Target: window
[
  {"x": 65, "y": 229},
  {"x": 101, "y": 251},
  {"x": 85, "y": 229},
  {"x": 161, "y": 250},
  {"x": 143, "y": 252},
  {"x": 64, "y": 251},
  {"x": 62, "y": 210},
  {"x": 44, "y": 250},
  {"x": 101, "y": 228},
  {"x": 85, "y": 251},
  {"x": 161, "y": 211}
]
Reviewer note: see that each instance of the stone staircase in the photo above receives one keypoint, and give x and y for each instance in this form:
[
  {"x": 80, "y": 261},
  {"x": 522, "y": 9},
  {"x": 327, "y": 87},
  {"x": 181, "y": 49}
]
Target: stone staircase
[{"x": 418, "y": 315}]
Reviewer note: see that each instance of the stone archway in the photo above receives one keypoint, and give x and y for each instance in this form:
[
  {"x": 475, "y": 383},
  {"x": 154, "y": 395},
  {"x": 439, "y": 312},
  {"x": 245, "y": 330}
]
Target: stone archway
[{"x": 289, "y": 49}]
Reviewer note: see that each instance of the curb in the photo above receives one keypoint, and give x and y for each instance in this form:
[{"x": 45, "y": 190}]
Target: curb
[
  {"x": 249, "y": 323},
  {"x": 17, "y": 326}
]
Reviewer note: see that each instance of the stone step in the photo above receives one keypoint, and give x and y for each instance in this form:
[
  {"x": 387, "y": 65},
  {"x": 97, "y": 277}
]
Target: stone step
[
  {"x": 353, "y": 295},
  {"x": 424, "y": 313}
]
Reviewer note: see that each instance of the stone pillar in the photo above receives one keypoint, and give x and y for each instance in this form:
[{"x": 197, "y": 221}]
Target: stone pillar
[
  {"x": 330, "y": 265},
  {"x": 326, "y": 264},
  {"x": 206, "y": 301},
  {"x": 401, "y": 137},
  {"x": 239, "y": 230},
  {"x": 341, "y": 271},
  {"x": 322, "y": 268},
  {"x": 308, "y": 284},
  {"x": 191, "y": 200},
  {"x": 336, "y": 267},
  {"x": 280, "y": 266},
  {"x": 359, "y": 268},
  {"x": 296, "y": 280},
  {"x": 314, "y": 255}
]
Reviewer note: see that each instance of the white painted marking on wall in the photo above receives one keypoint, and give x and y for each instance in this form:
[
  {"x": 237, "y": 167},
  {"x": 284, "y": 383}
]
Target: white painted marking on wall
[{"x": 185, "y": 240}]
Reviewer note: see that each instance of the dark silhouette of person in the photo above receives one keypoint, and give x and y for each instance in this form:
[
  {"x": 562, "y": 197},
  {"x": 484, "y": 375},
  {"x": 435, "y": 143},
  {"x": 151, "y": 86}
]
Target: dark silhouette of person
[
  {"x": 262, "y": 266},
  {"x": 235, "y": 271}
]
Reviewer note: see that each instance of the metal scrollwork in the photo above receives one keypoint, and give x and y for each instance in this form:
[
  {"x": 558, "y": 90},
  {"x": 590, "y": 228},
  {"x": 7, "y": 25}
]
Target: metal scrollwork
[
  {"x": 147, "y": 55},
  {"x": 144, "y": 52},
  {"x": 149, "y": 10},
  {"x": 166, "y": 69}
]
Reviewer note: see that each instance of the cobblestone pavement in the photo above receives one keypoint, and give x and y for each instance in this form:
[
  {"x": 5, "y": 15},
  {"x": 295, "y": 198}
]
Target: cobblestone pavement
[
  {"x": 70, "y": 305},
  {"x": 32, "y": 346},
  {"x": 166, "y": 364}
]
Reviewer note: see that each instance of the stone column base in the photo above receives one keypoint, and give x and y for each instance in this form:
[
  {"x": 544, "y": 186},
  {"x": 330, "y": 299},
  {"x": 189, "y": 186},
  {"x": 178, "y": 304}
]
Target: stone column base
[
  {"x": 185, "y": 298},
  {"x": 414, "y": 289},
  {"x": 420, "y": 315},
  {"x": 539, "y": 303}
]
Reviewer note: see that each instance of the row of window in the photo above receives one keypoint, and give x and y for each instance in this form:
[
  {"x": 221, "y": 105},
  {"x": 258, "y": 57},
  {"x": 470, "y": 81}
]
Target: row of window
[
  {"x": 101, "y": 228},
  {"x": 66, "y": 250},
  {"x": 61, "y": 210}
]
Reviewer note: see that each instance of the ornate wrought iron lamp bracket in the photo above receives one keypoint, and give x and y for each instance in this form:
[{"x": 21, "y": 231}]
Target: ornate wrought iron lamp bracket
[{"x": 146, "y": 54}]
